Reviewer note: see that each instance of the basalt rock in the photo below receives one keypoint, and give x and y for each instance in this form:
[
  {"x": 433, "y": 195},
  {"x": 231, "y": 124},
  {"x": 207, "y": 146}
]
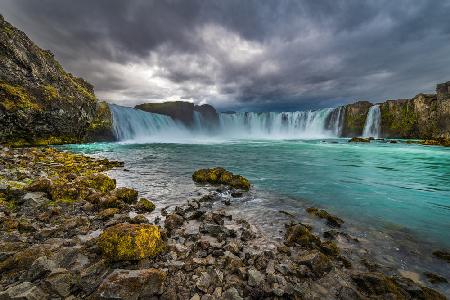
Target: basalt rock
[{"x": 40, "y": 103}]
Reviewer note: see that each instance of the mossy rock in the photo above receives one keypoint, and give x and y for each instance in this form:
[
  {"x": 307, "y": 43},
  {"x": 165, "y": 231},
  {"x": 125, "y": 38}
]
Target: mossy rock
[
  {"x": 130, "y": 242},
  {"x": 99, "y": 182},
  {"x": 221, "y": 176},
  {"x": 329, "y": 248},
  {"x": 111, "y": 201},
  {"x": 146, "y": 205},
  {"x": 332, "y": 220},
  {"x": 437, "y": 142},
  {"x": 108, "y": 213},
  {"x": 301, "y": 235},
  {"x": 359, "y": 140},
  {"x": 126, "y": 195}
]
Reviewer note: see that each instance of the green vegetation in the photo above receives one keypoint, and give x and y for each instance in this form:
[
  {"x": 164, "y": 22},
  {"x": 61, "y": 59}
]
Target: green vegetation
[
  {"x": 50, "y": 92},
  {"x": 131, "y": 242},
  {"x": 221, "y": 176},
  {"x": 14, "y": 98}
]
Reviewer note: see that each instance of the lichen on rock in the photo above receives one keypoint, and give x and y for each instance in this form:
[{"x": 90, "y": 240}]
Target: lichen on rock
[
  {"x": 131, "y": 242},
  {"x": 221, "y": 176}
]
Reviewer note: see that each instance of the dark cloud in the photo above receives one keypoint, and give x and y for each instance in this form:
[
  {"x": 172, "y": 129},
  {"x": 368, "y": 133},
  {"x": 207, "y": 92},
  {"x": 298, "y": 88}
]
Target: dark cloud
[{"x": 253, "y": 55}]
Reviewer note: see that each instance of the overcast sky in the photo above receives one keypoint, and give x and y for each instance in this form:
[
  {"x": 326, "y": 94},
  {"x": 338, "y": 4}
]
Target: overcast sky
[{"x": 245, "y": 55}]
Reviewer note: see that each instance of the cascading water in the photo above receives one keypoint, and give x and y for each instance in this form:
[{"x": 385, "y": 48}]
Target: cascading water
[
  {"x": 134, "y": 125},
  {"x": 131, "y": 124},
  {"x": 372, "y": 127},
  {"x": 335, "y": 121},
  {"x": 301, "y": 124}
]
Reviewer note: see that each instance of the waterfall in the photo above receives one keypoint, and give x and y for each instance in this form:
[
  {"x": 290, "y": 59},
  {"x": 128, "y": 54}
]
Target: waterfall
[
  {"x": 135, "y": 125},
  {"x": 335, "y": 121},
  {"x": 372, "y": 127},
  {"x": 131, "y": 124},
  {"x": 300, "y": 124}
]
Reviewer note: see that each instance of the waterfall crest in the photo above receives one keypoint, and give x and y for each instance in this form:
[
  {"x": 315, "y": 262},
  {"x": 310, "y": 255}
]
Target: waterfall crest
[
  {"x": 135, "y": 125},
  {"x": 372, "y": 127},
  {"x": 130, "y": 124}
]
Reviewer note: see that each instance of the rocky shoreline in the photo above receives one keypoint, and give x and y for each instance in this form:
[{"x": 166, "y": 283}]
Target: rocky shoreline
[{"x": 68, "y": 232}]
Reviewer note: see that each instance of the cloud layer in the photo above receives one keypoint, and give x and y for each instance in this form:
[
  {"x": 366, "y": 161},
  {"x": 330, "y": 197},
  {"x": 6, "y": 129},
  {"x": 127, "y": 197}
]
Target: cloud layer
[{"x": 245, "y": 55}]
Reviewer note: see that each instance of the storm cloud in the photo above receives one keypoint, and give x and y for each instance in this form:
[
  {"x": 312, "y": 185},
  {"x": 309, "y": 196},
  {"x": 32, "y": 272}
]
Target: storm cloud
[{"x": 245, "y": 55}]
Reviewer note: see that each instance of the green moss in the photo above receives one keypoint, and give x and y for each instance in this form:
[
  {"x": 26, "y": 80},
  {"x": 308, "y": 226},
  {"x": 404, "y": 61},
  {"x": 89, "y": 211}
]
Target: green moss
[
  {"x": 99, "y": 182},
  {"x": 50, "y": 92},
  {"x": 221, "y": 176},
  {"x": 301, "y": 235},
  {"x": 146, "y": 205},
  {"x": 16, "y": 98},
  {"x": 126, "y": 195},
  {"x": 108, "y": 213},
  {"x": 130, "y": 242}
]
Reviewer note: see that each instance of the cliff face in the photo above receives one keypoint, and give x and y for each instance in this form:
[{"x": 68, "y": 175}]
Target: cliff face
[
  {"x": 183, "y": 112},
  {"x": 101, "y": 127},
  {"x": 410, "y": 118},
  {"x": 40, "y": 103},
  {"x": 355, "y": 115},
  {"x": 424, "y": 116}
]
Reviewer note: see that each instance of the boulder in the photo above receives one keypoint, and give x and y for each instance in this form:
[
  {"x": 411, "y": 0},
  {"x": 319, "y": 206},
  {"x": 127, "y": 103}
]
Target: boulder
[
  {"x": 23, "y": 291},
  {"x": 34, "y": 199},
  {"x": 332, "y": 220},
  {"x": 131, "y": 284},
  {"x": 359, "y": 140},
  {"x": 301, "y": 235},
  {"x": 130, "y": 242},
  {"x": 173, "y": 221},
  {"x": 126, "y": 195},
  {"x": 221, "y": 176},
  {"x": 59, "y": 282},
  {"x": 145, "y": 205},
  {"x": 316, "y": 261}
]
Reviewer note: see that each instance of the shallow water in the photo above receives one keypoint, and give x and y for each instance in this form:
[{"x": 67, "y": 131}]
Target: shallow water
[{"x": 395, "y": 196}]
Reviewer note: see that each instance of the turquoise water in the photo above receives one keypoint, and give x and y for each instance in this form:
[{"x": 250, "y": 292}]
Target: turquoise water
[{"x": 404, "y": 187}]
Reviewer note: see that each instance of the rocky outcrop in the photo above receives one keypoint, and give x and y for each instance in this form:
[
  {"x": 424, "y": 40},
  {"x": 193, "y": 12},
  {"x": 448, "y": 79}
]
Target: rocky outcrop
[
  {"x": 443, "y": 91},
  {"x": 184, "y": 112},
  {"x": 355, "y": 115},
  {"x": 424, "y": 116},
  {"x": 101, "y": 127},
  {"x": 40, "y": 103}
]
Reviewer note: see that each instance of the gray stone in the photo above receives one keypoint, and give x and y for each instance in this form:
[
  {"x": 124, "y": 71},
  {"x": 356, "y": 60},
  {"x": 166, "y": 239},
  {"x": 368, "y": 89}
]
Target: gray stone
[
  {"x": 60, "y": 281},
  {"x": 231, "y": 294},
  {"x": 131, "y": 284},
  {"x": 34, "y": 199},
  {"x": 204, "y": 282},
  {"x": 23, "y": 291},
  {"x": 255, "y": 278},
  {"x": 40, "y": 268}
]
